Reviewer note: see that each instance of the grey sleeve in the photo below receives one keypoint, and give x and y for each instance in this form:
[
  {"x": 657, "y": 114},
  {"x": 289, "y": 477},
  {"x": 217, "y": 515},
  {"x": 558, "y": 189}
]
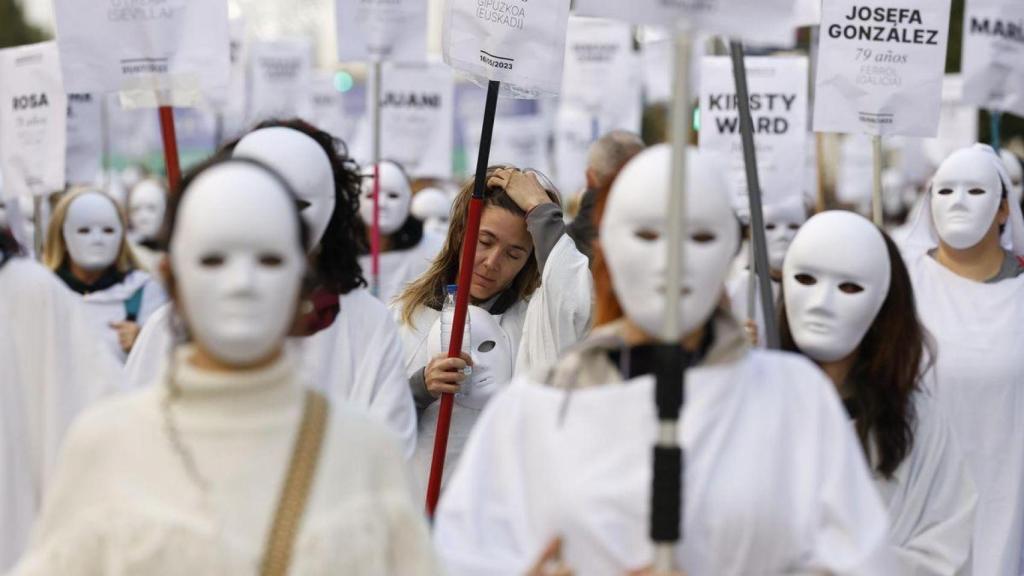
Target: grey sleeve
[
  {"x": 546, "y": 226},
  {"x": 418, "y": 386}
]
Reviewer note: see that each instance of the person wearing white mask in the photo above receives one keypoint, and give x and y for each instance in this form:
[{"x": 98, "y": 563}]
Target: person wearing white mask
[
  {"x": 782, "y": 220},
  {"x": 775, "y": 482},
  {"x": 405, "y": 251},
  {"x": 51, "y": 367},
  {"x": 528, "y": 275},
  {"x": 350, "y": 344},
  {"x": 86, "y": 245},
  {"x": 849, "y": 307},
  {"x": 147, "y": 203},
  {"x": 433, "y": 207},
  {"x": 1015, "y": 170},
  {"x": 228, "y": 464},
  {"x": 964, "y": 253}
]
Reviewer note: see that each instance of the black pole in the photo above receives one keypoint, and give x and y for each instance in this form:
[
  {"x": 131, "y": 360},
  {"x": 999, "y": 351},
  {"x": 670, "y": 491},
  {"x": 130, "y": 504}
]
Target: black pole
[{"x": 739, "y": 70}]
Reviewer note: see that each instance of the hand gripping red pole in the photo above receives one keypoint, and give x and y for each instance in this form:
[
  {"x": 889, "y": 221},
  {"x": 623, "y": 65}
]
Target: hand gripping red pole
[{"x": 476, "y": 204}]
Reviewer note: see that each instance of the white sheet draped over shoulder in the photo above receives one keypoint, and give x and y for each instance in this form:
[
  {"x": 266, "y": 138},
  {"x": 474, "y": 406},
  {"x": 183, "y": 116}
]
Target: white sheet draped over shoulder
[
  {"x": 931, "y": 500},
  {"x": 776, "y": 482},
  {"x": 355, "y": 361},
  {"x": 52, "y": 365},
  {"x": 106, "y": 306}
]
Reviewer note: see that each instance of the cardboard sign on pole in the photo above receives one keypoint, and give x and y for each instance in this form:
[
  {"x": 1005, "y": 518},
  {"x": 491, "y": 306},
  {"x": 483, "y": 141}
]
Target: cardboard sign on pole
[
  {"x": 170, "y": 52},
  {"x": 993, "y": 55},
  {"x": 280, "y": 78},
  {"x": 880, "y": 68},
  {"x": 33, "y": 120},
  {"x": 418, "y": 116},
  {"x": 84, "y": 158},
  {"x": 762, "y": 20},
  {"x": 516, "y": 42},
  {"x": 778, "y": 103},
  {"x": 371, "y": 30}
]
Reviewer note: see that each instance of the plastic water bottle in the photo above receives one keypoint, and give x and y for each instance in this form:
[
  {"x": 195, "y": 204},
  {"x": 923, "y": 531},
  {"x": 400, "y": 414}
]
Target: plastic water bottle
[{"x": 447, "y": 322}]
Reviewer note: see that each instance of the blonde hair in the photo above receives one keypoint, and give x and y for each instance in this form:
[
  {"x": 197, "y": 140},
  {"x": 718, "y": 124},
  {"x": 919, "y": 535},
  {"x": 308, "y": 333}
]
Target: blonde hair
[
  {"x": 429, "y": 289},
  {"x": 55, "y": 253}
]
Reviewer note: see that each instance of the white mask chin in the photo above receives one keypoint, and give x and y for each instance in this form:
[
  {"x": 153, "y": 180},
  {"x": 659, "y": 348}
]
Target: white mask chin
[
  {"x": 634, "y": 238},
  {"x": 148, "y": 202},
  {"x": 835, "y": 279},
  {"x": 492, "y": 357},
  {"x": 238, "y": 262},
  {"x": 965, "y": 197},
  {"x": 303, "y": 163},
  {"x": 781, "y": 222},
  {"x": 395, "y": 198},
  {"x": 93, "y": 232}
]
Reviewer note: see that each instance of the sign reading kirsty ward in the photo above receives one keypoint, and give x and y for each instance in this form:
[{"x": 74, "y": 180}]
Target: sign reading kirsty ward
[
  {"x": 519, "y": 43},
  {"x": 142, "y": 47},
  {"x": 880, "y": 66},
  {"x": 993, "y": 57},
  {"x": 33, "y": 120}
]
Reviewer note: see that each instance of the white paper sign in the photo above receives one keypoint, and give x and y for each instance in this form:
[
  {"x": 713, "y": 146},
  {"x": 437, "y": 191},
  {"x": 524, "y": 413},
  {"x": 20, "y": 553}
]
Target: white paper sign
[
  {"x": 280, "y": 78},
  {"x": 371, "y": 30},
  {"x": 880, "y": 66},
  {"x": 33, "y": 120},
  {"x": 325, "y": 107},
  {"x": 778, "y": 105},
  {"x": 418, "y": 118},
  {"x": 140, "y": 47},
  {"x": 602, "y": 75},
  {"x": 84, "y": 138},
  {"x": 993, "y": 55},
  {"x": 521, "y": 141},
  {"x": 231, "y": 104},
  {"x": 763, "y": 20},
  {"x": 575, "y": 132},
  {"x": 520, "y": 43}
]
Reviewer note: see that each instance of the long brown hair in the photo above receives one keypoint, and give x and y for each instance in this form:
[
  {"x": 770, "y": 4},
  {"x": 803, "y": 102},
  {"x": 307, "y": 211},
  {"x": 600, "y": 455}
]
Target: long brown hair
[
  {"x": 55, "y": 254},
  {"x": 429, "y": 289},
  {"x": 886, "y": 373}
]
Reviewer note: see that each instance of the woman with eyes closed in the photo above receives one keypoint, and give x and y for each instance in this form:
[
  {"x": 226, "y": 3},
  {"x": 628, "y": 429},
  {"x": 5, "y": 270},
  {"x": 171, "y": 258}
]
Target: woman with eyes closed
[
  {"x": 86, "y": 246},
  {"x": 528, "y": 275},
  {"x": 964, "y": 254},
  {"x": 848, "y": 305}
]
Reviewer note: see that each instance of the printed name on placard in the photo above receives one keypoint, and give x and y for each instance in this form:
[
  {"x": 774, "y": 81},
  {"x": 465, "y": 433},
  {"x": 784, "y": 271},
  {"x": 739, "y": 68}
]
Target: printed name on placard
[
  {"x": 872, "y": 23},
  {"x": 1012, "y": 31},
  {"x": 30, "y": 102}
]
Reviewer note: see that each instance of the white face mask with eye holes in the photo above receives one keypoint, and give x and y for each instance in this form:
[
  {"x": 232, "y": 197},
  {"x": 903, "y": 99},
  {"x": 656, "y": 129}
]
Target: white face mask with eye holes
[
  {"x": 93, "y": 232},
  {"x": 491, "y": 353},
  {"x": 147, "y": 204},
  {"x": 965, "y": 196},
  {"x": 781, "y": 223},
  {"x": 835, "y": 280},
  {"x": 238, "y": 262},
  {"x": 395, "y": 198},
  {"x": 634, "y": 238}
]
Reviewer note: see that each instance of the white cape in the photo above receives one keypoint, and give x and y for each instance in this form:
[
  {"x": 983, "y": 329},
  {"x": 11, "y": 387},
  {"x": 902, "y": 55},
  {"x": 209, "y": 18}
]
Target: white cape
[
  {"x": 355, "y": 361},
  {"x": 106, "y": 306},
  {"x": 776, "y": 482},
  {"x": 400, "y": 267},
  {"x": 556, "y": 317},
  {"x": 52, "y": 365}
]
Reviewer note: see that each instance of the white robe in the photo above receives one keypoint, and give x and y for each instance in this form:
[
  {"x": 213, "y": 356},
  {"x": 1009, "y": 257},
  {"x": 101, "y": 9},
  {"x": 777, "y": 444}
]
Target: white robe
[
  {"x": 52, "y": 365},
  {"x": 355, "y": 361},
  {"x": 400, "y": 267},
  {"x": 775, "y": 480},
  {"x": 979, "y": 332},
  {"x": 931, "y": 500},
  {"x": 123, "y": 502},
  {"x": 554, "y": 318},
  {"x": 106, "y": 306}
]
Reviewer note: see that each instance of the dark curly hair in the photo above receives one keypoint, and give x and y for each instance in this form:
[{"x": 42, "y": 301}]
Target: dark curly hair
[
  {"x": 886, "y": 373},
  {"x": 337, "y": 263}
]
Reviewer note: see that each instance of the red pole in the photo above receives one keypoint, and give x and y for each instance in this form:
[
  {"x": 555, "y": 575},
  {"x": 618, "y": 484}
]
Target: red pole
[
  {"x": 170, "y": 148},
  {"x": 444, "y": 418}
]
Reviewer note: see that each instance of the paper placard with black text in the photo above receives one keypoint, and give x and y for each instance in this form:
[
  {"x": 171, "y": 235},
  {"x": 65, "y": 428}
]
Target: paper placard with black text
[
  {"x": 33, "y": 120},
  {"x": 880, "y": 67},
  {"x": 84, "y": 157},
  {"x": 370, "y": 30},
  {"x": 143, "y": 49},
  {"x": 778, "y": 106},
  {"x": 993, "y": 55},
  {"x": 279, "y": 78}
]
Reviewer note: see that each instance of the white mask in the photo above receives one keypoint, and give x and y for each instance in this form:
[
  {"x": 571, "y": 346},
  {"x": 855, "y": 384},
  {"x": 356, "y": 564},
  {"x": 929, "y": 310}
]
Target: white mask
[
  {"x": 433, "y": 207},
  {"x": 303, "y": 163},
  {"x": 835, "y": 280},
  {"x": 491, "y": 351},
  {"x": 238, "y": 262},
  {"x": 148, "y": 203},
  {"x": 93, "y": 232},
  {"x": 781, "y": 222},
  {"x": 1014, "y": 170},
  {"x": 634, "y": 238},
  {"x": 395, "y": 198},
  {"x": 965, "y": 196}
]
